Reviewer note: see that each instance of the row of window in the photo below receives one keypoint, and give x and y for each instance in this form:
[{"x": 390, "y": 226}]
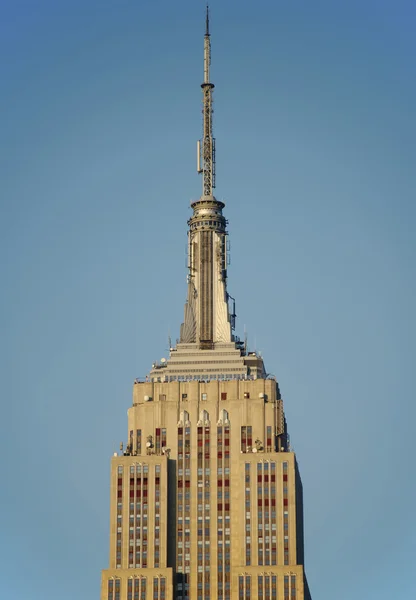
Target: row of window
[
  {"x": 205, "y": 378},
  {"x": 219, "y": 224},
  {"x": 246, "y": 441},
  {"x": 266, "y": 503},
  {"x": 138, "y": 516},
  {"x": 204, "y": 396},
  {"x": 138, "y": 513},
  {"x": 137, "y": 588},
  {"x": 267, "y": 587}
]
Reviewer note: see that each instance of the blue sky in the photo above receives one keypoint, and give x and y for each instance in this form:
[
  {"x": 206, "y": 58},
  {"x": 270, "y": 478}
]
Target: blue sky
[{"x": 315, "y": 127}]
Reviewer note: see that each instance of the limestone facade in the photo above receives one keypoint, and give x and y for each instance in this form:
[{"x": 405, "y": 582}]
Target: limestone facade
[{"x": 206, "y": 498}]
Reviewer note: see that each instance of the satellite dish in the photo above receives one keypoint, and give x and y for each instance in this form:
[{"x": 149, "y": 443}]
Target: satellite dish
[
  {"x": 254, "y": 450},
  {"x": 163, "y": 360},
  {"x": 148, "y": 444}
]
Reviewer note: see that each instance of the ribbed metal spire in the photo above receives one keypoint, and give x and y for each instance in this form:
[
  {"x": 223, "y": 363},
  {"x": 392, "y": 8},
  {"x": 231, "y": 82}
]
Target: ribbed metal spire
[
  {"x": 207, "y": 316},
  {"x": 206, "y": 146}
]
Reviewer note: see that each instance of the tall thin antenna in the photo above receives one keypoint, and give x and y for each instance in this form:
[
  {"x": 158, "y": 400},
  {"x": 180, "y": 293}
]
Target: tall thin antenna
[
  {"x": 207, "y": 21},
  {"x": 206, "y": 146}
]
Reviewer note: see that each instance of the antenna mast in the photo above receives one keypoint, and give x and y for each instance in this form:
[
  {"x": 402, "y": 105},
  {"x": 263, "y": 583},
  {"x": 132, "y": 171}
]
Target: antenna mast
[{"x": 206, "y": 146}]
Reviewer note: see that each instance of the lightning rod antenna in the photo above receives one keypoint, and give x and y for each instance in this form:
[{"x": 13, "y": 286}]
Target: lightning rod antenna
[
  {"x": 207, "y": 21},
  {"x": 206, "y": 146}
]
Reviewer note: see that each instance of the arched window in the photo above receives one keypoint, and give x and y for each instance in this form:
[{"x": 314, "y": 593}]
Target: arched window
[
  {"x": 203, "y": 418},
  {"x": 224, "y": 418},
  {"x": 184, "y": 418}
]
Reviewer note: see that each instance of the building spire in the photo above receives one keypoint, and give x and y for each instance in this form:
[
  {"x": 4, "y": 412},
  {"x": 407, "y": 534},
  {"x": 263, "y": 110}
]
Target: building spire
[
  {"x": 206, "y": 146},
  {"x": 208, "y": 320}
]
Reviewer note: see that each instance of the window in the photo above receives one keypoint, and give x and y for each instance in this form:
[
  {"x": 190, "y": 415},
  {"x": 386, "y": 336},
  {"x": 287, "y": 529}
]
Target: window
[
  {"x": 223, "y": 395},
  {"x": 269, "y": 447},
  {"x": 184, "y": 396},
  {"x": 246, "y": 394},
  {"x": 203, "y": 396}
]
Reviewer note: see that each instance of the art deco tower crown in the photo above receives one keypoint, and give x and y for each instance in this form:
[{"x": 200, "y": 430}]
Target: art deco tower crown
[
  {"x": 206, "y": 496},
  {"x": 207, "y": 319},
  {"x": 207, "y": 336}
]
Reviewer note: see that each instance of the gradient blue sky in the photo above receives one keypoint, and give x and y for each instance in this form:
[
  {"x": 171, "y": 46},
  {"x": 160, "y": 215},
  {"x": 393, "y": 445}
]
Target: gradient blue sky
[{"x": 315, "y": 126}]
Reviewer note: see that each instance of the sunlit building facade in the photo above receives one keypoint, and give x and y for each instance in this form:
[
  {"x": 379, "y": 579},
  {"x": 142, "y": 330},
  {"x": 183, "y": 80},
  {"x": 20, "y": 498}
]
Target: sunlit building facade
[{"x": 206, "y": 497}]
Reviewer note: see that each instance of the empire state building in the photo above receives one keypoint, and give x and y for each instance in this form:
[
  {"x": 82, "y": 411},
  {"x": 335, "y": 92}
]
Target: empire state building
[{"x": 206, "y": 496}]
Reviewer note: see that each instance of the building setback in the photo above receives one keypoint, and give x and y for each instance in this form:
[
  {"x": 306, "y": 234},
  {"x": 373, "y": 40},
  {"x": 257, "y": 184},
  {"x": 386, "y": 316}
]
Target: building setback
[{"x": 206, "y": 497}]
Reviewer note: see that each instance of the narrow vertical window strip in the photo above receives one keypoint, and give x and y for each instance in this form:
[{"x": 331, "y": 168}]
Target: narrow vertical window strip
[
  {"x": 260, "y": 587},
  {"x": 119, "y": 516},
  {"x": 285, "y": 513},
  {"x": 249, "y": 438},
  {"x": 187, "y": 504},
  {"x": 138, "y": 441},
  {"x": 206, "y": 512},
  {"x": 157, "y": 440},
  {"x": 132, "y": 523},
  {"x": 286, "y": 587},
  {"x": 200, "y": 514},
  {"x": 247, "y": 512},
  {"x": 139, "y": 517},
  {"x": 145, "y": 515},
  {"x": 260, "y": 521},
  {"x": 268, "y": 439},
  {"x": 267, "y": 586},
  {"x": 241, "y": 587},
  {"x": 266, "y": 521},
  {"x": 180, "y": 539},
  {"x": 156, "y": 546},
  {"x": 292, "y": 587},
  {"x": 220, "y": 511},
  {"x": 273, "y": 532},
  {"x": 244, "y": 439},
  {"x": 227, "y": 519},
  {"x": 111, "y": 589},
  {"x": 248, "y": 587}
]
